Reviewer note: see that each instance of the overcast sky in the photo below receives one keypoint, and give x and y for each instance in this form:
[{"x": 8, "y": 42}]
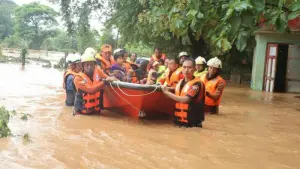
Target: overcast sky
[{"x": 94, "y": 23}]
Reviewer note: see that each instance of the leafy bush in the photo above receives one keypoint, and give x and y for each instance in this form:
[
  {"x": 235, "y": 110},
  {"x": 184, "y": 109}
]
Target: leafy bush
[{"x": 4, "y": 118}]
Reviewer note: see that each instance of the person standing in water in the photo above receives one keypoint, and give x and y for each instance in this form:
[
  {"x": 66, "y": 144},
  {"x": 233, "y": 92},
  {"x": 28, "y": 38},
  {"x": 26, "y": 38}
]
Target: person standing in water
[
  {"x": 214, "y": 85},
  {"x": 74, "y": 67},
  {"x": 189, "y": 96},
  {"x": 200, "y": 67},
  {"x": 88, "y": 84}
]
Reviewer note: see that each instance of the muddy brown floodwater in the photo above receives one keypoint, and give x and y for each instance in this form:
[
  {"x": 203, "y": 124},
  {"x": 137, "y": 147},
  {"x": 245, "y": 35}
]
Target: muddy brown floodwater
[{"x": 255, "y": 130}]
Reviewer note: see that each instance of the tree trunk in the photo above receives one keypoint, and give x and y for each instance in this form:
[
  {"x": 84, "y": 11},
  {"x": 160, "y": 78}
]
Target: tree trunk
[
  {"x": 23, "y": 60},
  {"x": 198, "y": 47}
]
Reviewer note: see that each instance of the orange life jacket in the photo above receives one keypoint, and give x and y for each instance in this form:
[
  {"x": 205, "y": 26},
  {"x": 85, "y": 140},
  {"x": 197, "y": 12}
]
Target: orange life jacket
[
  {"x": 211, "y": 87},
  {"x": 163, "y": 56},
  {"x": 193, "y": 112},
  {"x": 66, "y": 74},
  {"x": 134, "y": 80},
  {"x": 172, "y": 80},
  {"x": 105, "y": 64},
  {"x": 87, "y": 103},
  {"x": 127, "y": 66},
  {"x": 129, "y": 61}
]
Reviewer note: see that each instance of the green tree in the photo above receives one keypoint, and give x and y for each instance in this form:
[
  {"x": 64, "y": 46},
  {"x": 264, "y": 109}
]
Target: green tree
[
  {"x": 202, "y": 27},
  {"x": 61, "y": 42},
  {"x": 76, "y": 13},
  {"x": 15, "y": 42},
  {"x": 35, "y": 23},
  {"x": 107, "y": 37},
  {"x": 196, "y": 23},
  {"x": 6, "y": 21},
  {"x": 85, "y": 39}
]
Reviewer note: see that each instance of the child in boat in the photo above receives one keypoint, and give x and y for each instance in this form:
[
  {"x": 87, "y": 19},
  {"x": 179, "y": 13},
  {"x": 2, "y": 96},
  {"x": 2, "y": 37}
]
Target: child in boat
[
  {"x": 153, "y": 74},
  {"x": 141, "y": 72},
  {"x": 117, "y": 69}
]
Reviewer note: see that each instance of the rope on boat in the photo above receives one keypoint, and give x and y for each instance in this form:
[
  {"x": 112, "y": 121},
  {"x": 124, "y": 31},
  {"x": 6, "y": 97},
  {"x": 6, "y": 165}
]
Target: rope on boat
[
  {"x": 123, "y": 98},
  {"x": 130, "y": 95},
  {"x": 141, "y": 113}
]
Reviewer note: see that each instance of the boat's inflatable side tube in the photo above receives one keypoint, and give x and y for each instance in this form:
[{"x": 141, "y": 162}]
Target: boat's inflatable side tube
[{"x": 135, "y": 86}]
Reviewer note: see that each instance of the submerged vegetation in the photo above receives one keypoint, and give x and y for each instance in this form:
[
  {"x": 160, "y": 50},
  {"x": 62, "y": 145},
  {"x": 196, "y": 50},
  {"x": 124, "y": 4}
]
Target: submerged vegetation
[
  {"x": 26, "y": 138},
  {"x": 4, "y": 118},
  {"x": 25, "y": 116}
]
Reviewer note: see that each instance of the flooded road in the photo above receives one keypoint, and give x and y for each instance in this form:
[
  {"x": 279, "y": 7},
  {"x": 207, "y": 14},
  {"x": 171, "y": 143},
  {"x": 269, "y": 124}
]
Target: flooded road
[{"x": 254, "y": 130}]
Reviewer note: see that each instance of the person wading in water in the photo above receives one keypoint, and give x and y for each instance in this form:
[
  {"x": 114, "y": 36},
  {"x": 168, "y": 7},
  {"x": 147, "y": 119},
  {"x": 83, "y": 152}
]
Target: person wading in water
[
  {"x": 214, "y": 85},
  {"x": 74, "y": 67},
  {"x": 189, "y": 96},
  {"x": 88, "y": 85}
]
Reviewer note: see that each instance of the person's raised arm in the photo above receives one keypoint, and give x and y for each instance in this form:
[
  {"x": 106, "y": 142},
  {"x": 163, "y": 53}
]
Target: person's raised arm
[
  {"x": 80, "y": 84},
  {"x": 181, "y": 99}
]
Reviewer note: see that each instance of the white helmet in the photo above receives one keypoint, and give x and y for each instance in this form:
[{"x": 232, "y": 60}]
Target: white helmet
[
  {"x": 90, "y": 51},
  {"x": 215, "y": 62},
  {"x": 183, "y": 54},
  {"x": 117, "y": 50},
  {"x": 200, "y": 60},
  {"x": 73, "y": 58},
  {"x": 88, "y": 57},
  {"x": 68, "y": 58}
]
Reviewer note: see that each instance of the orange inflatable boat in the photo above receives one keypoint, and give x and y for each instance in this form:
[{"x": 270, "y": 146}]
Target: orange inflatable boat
[{"x": 137, "y": 100}]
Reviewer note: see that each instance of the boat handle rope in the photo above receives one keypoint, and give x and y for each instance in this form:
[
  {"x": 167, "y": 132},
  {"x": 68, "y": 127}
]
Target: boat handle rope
[
  {"x": 129, "y": 95},
  {"x": 123, "y": 98}
]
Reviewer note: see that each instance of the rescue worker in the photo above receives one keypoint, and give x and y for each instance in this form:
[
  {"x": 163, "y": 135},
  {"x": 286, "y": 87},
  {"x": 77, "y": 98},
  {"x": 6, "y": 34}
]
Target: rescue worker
[
  {"x": 182, "y": 56},
  {"x": 157, "y": 55},
  {"x": 91, "y": 51},
  {"x": 88, "y": 84},
  {"x": 174, "y": 73},
  {"x": 200, "y": 67},
  {"x": 189, "y": 96},
  {"x": 105, "y": 59},
  {"x": 214, "y": 85},
  {"x": 74, "y": 68}
]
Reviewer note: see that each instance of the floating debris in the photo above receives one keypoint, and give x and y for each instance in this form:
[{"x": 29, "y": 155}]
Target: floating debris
[{"x": 26, "y": 138}]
